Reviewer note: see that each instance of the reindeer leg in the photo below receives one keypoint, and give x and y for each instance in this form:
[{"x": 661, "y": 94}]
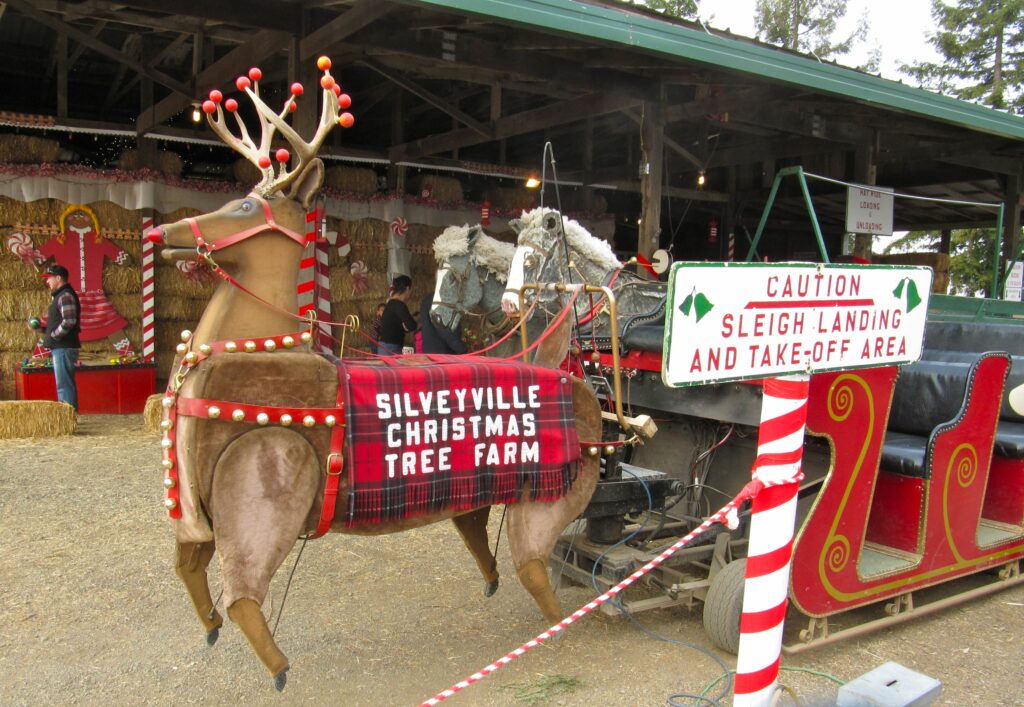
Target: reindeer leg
[
  {"x": 534, "y": 576},
  {"x": 190, "y": 562},
  {"x": 473, "y": 528},
  {"x": 263, "y": 489}
]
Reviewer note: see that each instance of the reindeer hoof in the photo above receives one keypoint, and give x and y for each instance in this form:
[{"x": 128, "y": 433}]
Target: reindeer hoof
[
  {"x": 280, "y": 680},
  {"x": 490, "y": 588},
  {"x": 212, "y": 635}
]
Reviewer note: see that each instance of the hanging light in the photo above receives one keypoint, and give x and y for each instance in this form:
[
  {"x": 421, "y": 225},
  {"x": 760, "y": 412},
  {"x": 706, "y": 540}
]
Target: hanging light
[
  {"x": 532, "y": 182},
  {"x": 701, "y": 178},
  {"x": 196, "y": 114}
]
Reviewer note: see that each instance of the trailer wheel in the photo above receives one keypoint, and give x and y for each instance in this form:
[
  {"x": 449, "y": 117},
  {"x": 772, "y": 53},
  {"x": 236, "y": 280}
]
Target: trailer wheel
[{"x": 724, "y": 606}]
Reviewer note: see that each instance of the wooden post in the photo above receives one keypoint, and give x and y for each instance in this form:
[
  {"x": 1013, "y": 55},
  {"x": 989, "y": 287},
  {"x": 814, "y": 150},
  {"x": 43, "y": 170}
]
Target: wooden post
[
  {"x": 1011, "y": 218},
  {"x": 62, "y": 75},
  {"x": 396, "y": 174},
  {"x": 652, "y": 133}
]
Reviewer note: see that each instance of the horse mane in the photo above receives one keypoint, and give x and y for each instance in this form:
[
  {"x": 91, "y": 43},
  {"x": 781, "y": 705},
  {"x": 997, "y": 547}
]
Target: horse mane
[
  {"x": 594, "y": 249},
  {"x": 489, "y": 252}
]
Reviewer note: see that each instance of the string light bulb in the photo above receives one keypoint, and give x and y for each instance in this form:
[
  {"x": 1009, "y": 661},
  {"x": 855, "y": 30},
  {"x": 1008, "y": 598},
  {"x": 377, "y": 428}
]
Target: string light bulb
[
  {"x": 701, "y": 178},
  {"x": 532, "y": 182},
  {"x": 196, "y": 114}
]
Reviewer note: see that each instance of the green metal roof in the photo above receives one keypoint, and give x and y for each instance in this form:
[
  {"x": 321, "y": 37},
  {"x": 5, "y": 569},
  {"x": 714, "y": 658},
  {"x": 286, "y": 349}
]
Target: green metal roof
[{"x": 615, "y": 26}]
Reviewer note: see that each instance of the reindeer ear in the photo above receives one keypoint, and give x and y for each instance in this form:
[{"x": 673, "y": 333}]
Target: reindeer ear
[{"x": 304, "y": 190}]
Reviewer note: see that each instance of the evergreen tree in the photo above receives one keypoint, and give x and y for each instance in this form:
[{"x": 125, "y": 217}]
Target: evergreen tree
[
  {"x": 982, "y": 42},
  {"x": 806, "y": 26}
]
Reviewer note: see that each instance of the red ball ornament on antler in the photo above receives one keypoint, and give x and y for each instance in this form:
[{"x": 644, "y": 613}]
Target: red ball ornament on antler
[
  {"x": 209, "y": 107},
  {"x": 255, "y": 74},
  {"x": 282, "y": 155},
  {"x": 337, "y": 89},
  {"x": 323, "y": 63},
  {"x": 242, "y": 83},
  {"x": 231, "y": 105},
  {"x": 216, "y": 96},
  {"x": 292, "y": 106},
  {"x": 296, "y": 89},
  {"x": 327, "y": 82},
  {"x": 263, "y": 162},
  {"x": 344, "y": 101},
  {"x": 346, "y": 120}
]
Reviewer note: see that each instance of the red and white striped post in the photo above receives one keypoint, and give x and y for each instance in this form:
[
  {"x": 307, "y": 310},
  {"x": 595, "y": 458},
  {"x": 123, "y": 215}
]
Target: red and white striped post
[
  {"x": 314, "y": 286},
  {"x": 148, "y": 293},
  {"x": 765, "y": 598}
]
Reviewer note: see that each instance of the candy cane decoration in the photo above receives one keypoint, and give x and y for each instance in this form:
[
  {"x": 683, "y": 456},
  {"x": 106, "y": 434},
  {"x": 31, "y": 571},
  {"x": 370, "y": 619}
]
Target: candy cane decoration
[
  {"x": 399, "y": 226},
  {"x": 314, "y": 285},
  {"x": 148, "y": 294},
  {"x": 780, "y": 447}
]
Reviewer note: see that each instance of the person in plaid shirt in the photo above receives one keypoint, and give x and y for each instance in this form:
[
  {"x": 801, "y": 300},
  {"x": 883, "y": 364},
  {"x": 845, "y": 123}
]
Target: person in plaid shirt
[{"x": 63, "y": 324}]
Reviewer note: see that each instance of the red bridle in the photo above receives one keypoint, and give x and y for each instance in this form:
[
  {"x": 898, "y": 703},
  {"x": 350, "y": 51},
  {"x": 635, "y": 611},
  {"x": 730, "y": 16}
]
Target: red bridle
[{"x": 203, "y": 247}]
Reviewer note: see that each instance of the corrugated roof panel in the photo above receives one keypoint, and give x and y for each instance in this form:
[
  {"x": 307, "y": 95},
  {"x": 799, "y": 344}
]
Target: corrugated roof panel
[{"x": 650, "y": 34}]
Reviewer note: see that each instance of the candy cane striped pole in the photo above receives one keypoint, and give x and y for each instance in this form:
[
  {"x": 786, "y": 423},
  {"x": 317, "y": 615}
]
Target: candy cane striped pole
[
  {"x": 148, "y": 294},
  {"x": 766, "y": 589},
  {"x": 322, "y": 291},
  {"x": 307, "y": 268}
]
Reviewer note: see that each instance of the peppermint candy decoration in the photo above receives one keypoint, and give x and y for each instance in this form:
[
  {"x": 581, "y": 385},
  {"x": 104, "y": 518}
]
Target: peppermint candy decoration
[
  {"x": 399, "y": 226},
  {"x": 22, "y": 247},
  {"x": 360, "y": 277},
  {"x": 193, "y": 271}
]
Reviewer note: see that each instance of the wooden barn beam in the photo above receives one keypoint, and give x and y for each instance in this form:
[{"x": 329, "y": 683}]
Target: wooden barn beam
[
  {"x": 259, "y": 14},
  {"x": 363, "y": 13},
  {"x": 115, "y": 12},
  {"x": 73, "y": 57},
  {"x": 260, "y": 46},
  {"x": 669, "y": 142},
  {"x": 26, "y": 8},
  {"x": 445, "y": 105},
  {"x": 518, "y": 124}
]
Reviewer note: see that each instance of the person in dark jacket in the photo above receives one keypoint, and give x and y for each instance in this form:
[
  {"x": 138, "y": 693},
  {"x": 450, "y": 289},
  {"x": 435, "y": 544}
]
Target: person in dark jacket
[
  {"x": 437, "y": 339},
  {"x": 63, "y": 324},
  {"x": 396, "y": 321}
]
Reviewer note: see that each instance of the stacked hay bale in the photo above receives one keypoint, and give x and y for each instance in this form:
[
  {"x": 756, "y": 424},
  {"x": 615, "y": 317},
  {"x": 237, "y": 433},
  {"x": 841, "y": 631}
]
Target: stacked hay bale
[
  {"x": 352, "y": 180},
  {"x": 36, "y": 418},
  {"x": 447, "y": 190},
  {"x": 369, "y": 239},
  {"x": 169, "y": 163},
  {"x": 28, "y": 149}
]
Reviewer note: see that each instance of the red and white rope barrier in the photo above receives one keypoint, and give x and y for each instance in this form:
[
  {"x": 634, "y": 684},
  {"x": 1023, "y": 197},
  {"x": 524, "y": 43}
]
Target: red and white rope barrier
[
  {"x": 148, "y": 294},
  {"x": 773, "y": 513},
  {"x": 727, "y": 514}
]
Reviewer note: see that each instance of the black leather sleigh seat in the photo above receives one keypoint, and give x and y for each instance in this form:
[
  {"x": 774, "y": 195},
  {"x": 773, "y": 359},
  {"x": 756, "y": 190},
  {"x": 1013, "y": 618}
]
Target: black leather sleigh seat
[
  {"x": 928, "y": 394},
  {"x": 644, "y": 335},
  {"x": 1010, "y": 432}
]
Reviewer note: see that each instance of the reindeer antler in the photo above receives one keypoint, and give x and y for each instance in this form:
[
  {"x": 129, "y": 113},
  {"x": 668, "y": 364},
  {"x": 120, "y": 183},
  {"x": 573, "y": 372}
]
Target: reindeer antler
[{"x": 270, "y": 122}]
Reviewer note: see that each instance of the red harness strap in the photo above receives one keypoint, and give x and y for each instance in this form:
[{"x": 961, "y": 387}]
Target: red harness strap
[{"x": 335, "y": 465}]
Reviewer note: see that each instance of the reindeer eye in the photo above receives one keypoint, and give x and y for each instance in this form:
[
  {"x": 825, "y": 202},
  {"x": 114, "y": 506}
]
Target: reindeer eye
[{"x": 246, "y": 206}]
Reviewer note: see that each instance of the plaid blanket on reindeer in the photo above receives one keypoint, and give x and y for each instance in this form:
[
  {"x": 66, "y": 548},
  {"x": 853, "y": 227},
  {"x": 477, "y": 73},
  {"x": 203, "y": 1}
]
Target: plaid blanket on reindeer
[{"x": 427, "y": 433}]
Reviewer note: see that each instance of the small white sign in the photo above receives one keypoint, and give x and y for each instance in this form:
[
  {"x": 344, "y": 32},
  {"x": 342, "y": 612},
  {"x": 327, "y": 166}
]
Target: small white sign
[
  {"x": 1014, "y": 282},
  {"x": 738, "y": 321},
  {"x": 869, "y": 210}
]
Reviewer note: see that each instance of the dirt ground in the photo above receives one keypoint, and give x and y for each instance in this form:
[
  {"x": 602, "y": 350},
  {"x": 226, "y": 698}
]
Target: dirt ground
[{"x": 92, "y": 613}]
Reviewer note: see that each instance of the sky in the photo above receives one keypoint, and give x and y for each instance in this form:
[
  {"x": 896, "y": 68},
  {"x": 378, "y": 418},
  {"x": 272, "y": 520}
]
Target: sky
[{"x": 900, "y": 28}]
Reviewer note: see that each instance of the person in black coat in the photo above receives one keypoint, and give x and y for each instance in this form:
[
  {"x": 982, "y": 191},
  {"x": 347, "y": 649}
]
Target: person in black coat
[
  {"x": 436, "y": 339},
  {"x": 396, "y": 321}
]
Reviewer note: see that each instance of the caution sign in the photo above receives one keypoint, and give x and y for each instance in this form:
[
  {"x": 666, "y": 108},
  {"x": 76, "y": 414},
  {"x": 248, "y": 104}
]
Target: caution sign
[{"x": 738, "y": 321}]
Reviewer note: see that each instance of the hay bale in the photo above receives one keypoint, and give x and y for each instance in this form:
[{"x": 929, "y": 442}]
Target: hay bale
[
  {"x": 153, "y": 413},
  {"x": 19, "y": 305},
  {"x": 36, "y": 418},
  {"x": 167, "y": 162},
  {"x": 355, "y": 180},
  {"x": 26, "y": 149},
  {"x": 444, "y": 189},
  {"x": 15, "y": 336},
  {"x": 511, "y": 198}
]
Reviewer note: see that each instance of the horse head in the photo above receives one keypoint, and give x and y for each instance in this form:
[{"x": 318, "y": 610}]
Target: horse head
[
  {"x": 553, "y": 249},
  {"x": 471, "y": 268},
  {"x": 259, "y": 237}
]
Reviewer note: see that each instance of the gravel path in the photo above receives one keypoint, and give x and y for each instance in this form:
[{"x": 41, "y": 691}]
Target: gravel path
[{"x": 92, "y": 613}]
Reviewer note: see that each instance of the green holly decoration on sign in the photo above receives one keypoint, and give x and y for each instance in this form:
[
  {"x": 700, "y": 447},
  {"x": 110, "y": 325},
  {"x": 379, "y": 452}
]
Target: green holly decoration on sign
[
  {"x": 698, "y": 303},
  {"x": 913, "y": 298}
]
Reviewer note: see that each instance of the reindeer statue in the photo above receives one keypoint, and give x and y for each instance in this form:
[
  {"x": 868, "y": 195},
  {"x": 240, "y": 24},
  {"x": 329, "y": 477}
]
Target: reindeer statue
[
  {"x": 553, "y": 249},
  {"x": 262, "y": 437}
]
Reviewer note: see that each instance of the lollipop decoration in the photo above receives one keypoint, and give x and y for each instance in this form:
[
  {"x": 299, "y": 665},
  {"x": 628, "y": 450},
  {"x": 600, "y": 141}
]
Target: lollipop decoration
[
  {"x": 22, "y": 247},
  {"x": 399, "y": 226},
  {"x": 271, "y": 122},
  {"x": 360, "y": 277}
]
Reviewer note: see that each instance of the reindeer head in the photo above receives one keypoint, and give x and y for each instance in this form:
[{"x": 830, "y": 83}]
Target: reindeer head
[{"x": 266, "y": 209}]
